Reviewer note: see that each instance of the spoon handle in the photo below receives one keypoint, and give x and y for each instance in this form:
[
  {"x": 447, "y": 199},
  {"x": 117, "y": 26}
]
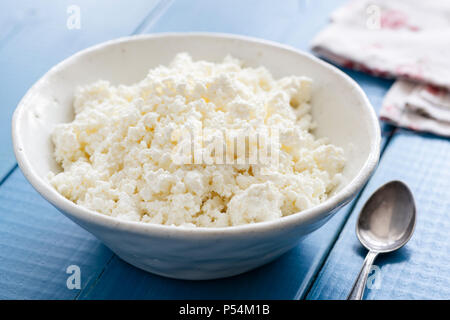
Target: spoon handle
[{"x": 357, "y": 291}]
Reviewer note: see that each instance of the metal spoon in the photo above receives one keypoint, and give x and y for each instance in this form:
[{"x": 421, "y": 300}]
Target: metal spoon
[{"x": 385, "y": 224}]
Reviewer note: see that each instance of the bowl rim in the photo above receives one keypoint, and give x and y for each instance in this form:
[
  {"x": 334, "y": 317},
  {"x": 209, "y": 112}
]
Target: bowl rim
[{"x": 81, "y": 214}]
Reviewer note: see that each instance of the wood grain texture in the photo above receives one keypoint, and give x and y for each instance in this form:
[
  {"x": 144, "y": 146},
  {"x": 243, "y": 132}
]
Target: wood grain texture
[{"x": 37, "y": 244}]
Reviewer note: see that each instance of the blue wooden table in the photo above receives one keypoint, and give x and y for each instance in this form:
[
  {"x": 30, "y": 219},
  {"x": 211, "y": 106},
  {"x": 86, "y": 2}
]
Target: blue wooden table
[{"x": 37, "y": 243}]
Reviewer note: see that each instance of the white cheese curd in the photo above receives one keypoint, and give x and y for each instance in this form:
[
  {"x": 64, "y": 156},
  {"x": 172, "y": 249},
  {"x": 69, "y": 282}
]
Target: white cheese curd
[{"x": 117, "y": 155}]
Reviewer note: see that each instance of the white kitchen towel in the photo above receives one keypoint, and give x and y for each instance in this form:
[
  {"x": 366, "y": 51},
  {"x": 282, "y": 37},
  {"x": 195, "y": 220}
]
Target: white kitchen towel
[{"x": 404, "y": 39}]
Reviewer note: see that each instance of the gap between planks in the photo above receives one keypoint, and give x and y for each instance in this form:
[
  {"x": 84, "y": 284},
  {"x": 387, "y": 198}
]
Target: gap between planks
[{"x": 8, "y": 174}]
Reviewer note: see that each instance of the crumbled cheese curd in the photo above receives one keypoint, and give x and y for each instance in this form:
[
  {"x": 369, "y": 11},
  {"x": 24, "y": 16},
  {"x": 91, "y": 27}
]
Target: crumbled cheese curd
[{"x": 117, "y": 154}]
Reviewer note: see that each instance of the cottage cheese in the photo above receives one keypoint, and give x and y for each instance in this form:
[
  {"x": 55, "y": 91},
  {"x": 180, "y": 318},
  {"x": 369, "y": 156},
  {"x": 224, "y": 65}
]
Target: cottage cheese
[{"x": 117, "y": 154}]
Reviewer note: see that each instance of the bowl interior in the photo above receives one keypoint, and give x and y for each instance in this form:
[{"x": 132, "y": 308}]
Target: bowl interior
[{"x": 340, "y": 108}]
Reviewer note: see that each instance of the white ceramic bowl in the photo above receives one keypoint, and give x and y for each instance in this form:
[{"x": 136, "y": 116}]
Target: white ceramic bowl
[{"x": 340, "y": 108}]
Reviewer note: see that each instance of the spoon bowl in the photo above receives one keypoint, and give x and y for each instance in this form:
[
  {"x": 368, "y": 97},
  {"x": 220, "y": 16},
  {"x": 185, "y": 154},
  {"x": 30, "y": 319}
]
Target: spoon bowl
[{"x": 388, "y": 218}]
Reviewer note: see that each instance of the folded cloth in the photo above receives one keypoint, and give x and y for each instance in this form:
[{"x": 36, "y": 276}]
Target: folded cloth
[
  {"x": 404, "y": 39},
  {"x": 417, "y": 107}
]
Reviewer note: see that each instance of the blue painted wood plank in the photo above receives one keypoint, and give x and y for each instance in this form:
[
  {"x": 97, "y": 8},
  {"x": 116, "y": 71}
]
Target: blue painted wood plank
[
  {"x": 37, "y": 243},
  {"x": 420, "y": 270},
  {"x": 34, "y": 36},
  {"x": 293, "y": 22},
  {"x": 290, "y": 276}
]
